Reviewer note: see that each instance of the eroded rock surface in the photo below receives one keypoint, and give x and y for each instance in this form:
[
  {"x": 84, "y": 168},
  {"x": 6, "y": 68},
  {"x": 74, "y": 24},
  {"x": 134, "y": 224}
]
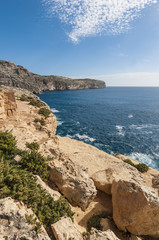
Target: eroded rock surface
[
  {"x": 105, "y": 235},
  {"x": 135, "y": 208},
  {"x": 73, "y": 181},
  {"x": 65, "y": 229},
  {"x": 13, "y": 223}
]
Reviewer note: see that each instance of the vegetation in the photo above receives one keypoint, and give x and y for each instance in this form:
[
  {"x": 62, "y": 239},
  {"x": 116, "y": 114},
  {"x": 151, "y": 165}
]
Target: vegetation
[
  {"x": 17, "y": 181},
  {"x": 35, "y": 103},
  {"x": 33, "y": 146},
  {"x": 45, "y": 112},
  {"x": 85, "y": 235},
  {"x": 24, "y": 98},
  {"x": 95, "y": 220},
  {"x": 33, "y": 221},
  {"x": 41, "y": 121},
  {"x": 140, "y": 167},
  {"x": 7, "y": 144},
  {"x": 34, "y": 162}
]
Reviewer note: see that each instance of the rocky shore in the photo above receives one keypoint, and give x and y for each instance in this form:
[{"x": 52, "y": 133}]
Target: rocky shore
[
  {"x": 18, "y": 76},
  {"x": 111, "y": 199}
]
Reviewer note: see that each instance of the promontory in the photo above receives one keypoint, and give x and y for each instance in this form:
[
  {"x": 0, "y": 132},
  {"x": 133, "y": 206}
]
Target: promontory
[{"x": 18, "y": 76}]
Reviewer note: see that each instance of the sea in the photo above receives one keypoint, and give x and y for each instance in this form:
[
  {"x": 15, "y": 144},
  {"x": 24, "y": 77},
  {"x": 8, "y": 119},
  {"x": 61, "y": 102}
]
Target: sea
[{"x": 114, "y": 119}]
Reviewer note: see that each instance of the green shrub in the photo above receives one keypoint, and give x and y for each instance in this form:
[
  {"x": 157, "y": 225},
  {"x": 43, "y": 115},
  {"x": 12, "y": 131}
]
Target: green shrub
[
  {"x": 129, "y": 162},
  {"x": 35, "y": 103},
  {"x": 33, "y": 146},
  {"x": 41, "y": 121},
  {"x": 45, "y": 112},
  {"x": 95, "y": 220},
  {"x": 20, "y": 184},
  {"x": 34, "y": 162},
  {"x": 24, "y": 98},
  {"x": 85, "y": 235},
  {"x": 142, "y": 167},
  {"x": 7, "y": 144}
]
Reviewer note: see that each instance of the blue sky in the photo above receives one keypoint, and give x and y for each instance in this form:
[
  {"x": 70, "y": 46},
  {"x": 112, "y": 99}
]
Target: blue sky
[{"x": 113, "y": 40}]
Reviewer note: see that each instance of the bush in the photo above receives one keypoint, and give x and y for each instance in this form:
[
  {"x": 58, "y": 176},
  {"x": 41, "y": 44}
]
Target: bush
[
  {"x": 34, "y": 162},
  {"x": 33, "y": 146},
  {"x": 7, "y": 144},
  {"x": 20, "y": 184},
  {"x": 24, "y": 98},
  {"x": 129, "y": 162},
  {"x": 35, "y": 103},
  {"x": 142, "y": 167},
  {"x": 94, "y": 221},
  {"x": 41, "y": 121},
  {"x": 45, "y": 112}
]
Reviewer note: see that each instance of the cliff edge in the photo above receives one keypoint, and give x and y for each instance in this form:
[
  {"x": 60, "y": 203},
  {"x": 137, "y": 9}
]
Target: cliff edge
[{"x": 18, "y": 76}]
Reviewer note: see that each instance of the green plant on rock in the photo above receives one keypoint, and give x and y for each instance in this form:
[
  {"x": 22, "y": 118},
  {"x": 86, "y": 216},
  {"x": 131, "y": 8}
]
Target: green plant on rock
[
  {"x": 95, "y": 220},
  {"x": 142, "y": 167},
  {"x": 24, "y": 98},
  {"x": 35, "y": 103},
  {"x": 36, "y": 163},
  {"x": 20, "y": 184},
  {"x": 41, "y": 121},
  {"x": 33, "y": 146},
  {"x": 45, "y": 112},
  {"x": 7, "y": 144}
]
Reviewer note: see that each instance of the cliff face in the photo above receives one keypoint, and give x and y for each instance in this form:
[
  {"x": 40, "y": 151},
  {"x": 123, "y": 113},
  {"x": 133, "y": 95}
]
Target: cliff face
[{"x": 18, "y": 76}]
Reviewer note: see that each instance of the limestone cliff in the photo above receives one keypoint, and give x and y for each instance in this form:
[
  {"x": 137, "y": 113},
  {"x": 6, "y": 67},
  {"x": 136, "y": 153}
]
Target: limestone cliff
[
  {"x": 18, "y": 76},
  {"x": 89, "y": 178}
]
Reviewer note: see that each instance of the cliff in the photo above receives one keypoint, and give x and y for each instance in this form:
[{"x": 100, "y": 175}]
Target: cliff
[
  {"x": 18, "y": 76},
  {"x": 103, "y": 191}
]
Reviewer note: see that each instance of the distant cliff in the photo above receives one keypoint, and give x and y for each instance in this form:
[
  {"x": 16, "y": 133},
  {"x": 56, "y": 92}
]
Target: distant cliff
[{"x": 18, "y": 76}]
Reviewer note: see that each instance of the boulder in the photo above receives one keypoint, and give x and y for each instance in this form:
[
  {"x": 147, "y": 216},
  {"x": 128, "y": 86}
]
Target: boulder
[
  {"x": 106, "y": 235},
  {"x": 73, "y": 181},
  {"x": 103, "y": 179},
  {"x": 53, "y": 193},
  {"x": 135, "y": 208},
  {"x": 65, "y": 229},
  {"x": 13, "y": 223}
]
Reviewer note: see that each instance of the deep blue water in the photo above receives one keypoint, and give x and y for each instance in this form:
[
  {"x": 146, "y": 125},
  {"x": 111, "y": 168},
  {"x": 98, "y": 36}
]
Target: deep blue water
[{"x": 115, "y": 119}]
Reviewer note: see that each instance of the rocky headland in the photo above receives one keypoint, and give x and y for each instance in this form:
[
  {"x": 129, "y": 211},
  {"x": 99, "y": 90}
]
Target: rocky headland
[
  {"x": 18, "y": 76},
  {"x": 111, "y": 199}
]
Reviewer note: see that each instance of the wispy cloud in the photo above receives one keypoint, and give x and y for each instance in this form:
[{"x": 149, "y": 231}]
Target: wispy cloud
[
  {"x": 130, "y": 79},
  {"x": 91, "y": 17}
]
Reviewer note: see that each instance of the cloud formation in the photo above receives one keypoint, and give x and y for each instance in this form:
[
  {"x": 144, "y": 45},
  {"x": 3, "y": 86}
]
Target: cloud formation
[{"x": 91, "y": 17}]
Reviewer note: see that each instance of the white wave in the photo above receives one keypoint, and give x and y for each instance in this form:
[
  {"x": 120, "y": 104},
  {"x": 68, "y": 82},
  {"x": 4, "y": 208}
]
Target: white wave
[
  {"x": 121, "y": 132},
  {"x": 54, "y": 110},
  {"x": 81, "y": 137},
  {"x": 143, "y": 158},
  {"x": 59, "y": 123},
  {"x": 143, "y": 126},
  {"x": 130, "y": 116},
  {"x": 84, "y": 137}
]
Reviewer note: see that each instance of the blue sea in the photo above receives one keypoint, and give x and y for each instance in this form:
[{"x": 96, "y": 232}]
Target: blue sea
[{"x": 114, "y": 119}]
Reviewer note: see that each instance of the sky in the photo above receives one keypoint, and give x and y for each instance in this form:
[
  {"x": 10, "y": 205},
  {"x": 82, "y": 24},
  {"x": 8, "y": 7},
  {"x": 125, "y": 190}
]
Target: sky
[{"x": 112, "y": 40}]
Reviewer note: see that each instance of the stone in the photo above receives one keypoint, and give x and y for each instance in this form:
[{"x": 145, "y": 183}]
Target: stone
[
  {"x": 103, "y": 168},
  {"x": 13, "y": 223},
  {"x": 65, "y": 229},
  {"x": 73, "y": 181},
  {"x": 53, "y": 193},
  {"x": 102, "y": 235},
  {"x": 135, "y": 208}
]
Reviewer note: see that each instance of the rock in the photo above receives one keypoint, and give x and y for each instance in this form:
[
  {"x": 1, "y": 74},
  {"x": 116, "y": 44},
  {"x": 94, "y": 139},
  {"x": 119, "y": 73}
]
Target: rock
[
  {"x": 135, "y": 208},
  {"x": 103, "y": 168},
  {"x": 13, "y": 223},
  {"x": 18, "y": 76},
  {"x": 53, "y": 193},
  {"x": 7, "y": 105},
  {"x": 155, "y": 181},
  {"x": 65, "y": 229},
  {"x": 73, "y": 181},
  {"x": 99, "y": 235}
]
